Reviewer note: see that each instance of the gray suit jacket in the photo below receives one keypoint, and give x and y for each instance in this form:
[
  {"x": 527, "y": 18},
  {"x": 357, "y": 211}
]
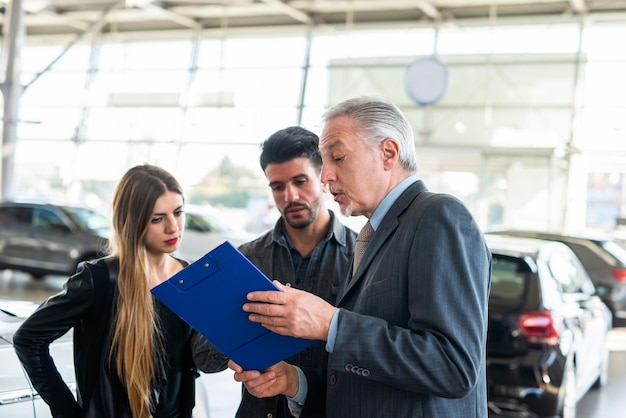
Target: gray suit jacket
[{"x": 412, "y": 329}]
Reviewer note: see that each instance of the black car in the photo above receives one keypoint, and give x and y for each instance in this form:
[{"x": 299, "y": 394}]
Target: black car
[
  {"x": 45, "y": 238},
  {"x": 546, "y": 341},
  {"x": 603, "y": 258}
]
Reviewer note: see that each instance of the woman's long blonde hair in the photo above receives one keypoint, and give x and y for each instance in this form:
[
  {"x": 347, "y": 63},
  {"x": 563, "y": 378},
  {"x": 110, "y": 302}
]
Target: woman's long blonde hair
[{"x": 136, "y": 338}]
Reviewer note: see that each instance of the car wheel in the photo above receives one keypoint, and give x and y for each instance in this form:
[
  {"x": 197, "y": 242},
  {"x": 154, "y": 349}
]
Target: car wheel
[
  {"x": 568, "y": 408},
  {"x": 603, "y": 377}
]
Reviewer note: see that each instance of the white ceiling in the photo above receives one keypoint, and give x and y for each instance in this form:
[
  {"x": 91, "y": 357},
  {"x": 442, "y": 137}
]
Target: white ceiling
[{"x": 45, "y": 17}]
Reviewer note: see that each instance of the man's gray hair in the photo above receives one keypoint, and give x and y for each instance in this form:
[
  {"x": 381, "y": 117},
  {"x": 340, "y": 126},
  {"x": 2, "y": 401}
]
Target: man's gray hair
[{"x": 378, "y": 119}]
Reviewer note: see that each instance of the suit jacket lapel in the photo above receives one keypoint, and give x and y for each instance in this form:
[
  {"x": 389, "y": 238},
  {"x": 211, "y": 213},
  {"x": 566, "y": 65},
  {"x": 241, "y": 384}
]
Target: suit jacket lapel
[{"x": 387, "y": 227}]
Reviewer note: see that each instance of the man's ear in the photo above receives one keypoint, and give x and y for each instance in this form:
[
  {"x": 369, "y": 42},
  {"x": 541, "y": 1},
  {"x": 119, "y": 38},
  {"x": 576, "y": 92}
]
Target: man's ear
[{"x": 391, "y": 152}]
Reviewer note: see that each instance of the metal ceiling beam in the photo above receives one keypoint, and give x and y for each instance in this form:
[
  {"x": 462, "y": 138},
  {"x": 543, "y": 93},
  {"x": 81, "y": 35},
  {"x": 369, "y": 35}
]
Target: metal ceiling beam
[
  {"x": 289, "y": 11},
  {"x": 579, "y": 6},
  {"x": 64, "y": 20},
  {"x": 94, "y": 27},
  {"x": 168, "y": 14},
  {"x": 64, "y": 16},
  {"x": 428, "y": 9}
]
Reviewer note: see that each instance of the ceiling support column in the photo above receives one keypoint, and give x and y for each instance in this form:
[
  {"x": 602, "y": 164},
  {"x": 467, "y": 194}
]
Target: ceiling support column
[{"x": 11, "y": 91}]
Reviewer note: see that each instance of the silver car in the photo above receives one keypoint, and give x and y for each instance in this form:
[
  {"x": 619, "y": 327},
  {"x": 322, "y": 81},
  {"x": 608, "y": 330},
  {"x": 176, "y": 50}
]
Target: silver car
[
  {"x": 45, "y": 238},
  {"x": 18, "y": 399},
  {"x": 205, "y": 229}
]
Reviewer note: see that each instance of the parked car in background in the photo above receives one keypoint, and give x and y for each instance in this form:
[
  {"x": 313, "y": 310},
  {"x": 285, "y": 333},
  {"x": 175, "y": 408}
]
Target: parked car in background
[
  {"x": 547, "y": 330},
  {"x": 18, "y": 399},
  {"x": 603, "y": 258},
  {"x": 205, "y": 229},
  {"x": 45, "y": 238}
]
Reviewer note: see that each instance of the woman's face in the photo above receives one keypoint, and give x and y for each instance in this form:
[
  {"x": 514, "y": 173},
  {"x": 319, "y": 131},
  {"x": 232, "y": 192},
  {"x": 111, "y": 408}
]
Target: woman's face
[{"x": 166, "y": 224}]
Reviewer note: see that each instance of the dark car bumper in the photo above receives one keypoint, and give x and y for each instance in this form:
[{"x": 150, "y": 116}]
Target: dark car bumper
[{"x": 525, "y": 387}]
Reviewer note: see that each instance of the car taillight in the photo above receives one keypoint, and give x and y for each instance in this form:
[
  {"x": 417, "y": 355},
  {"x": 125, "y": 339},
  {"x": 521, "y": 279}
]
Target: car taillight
[
  {"x": 539, "y": 327},
  {"x": 620, "y": 275}
]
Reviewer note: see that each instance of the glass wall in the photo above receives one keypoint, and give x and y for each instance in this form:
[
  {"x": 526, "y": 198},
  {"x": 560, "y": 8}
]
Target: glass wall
[{"x": 531, "y": 113}]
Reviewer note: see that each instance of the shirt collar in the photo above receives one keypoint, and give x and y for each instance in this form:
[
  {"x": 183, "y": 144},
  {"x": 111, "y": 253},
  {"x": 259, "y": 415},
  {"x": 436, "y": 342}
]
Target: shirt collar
[{"x": 389, "y": 200}]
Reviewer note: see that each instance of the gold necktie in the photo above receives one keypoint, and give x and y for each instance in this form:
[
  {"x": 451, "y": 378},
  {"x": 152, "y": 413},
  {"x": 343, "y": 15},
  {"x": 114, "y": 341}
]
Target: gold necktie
[{"x": 361, "y": 244}]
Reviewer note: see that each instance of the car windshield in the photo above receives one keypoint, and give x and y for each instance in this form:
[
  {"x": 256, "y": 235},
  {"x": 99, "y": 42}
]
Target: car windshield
[
  {"x": 87, "y": 219},
  {"x": 508, "y": 277},
  {"x": 205, "y": 222}
]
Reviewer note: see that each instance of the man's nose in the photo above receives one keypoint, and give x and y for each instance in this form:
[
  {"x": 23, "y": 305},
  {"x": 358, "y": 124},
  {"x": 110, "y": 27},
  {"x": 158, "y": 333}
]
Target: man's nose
[
  {"x": 327, "y": 175},
  {"x": 291, "y": 193}
]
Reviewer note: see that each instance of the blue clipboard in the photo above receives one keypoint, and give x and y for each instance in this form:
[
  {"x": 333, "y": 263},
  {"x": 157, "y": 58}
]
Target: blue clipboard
[{"x": 209, "y": 294}]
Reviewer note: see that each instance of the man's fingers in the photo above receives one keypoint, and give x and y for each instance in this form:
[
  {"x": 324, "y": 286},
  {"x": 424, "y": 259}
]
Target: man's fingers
[
  {"x": 234, "y": 366},
  {"x": 272, "y": 296},
  {"x": 261, "y": 386},
  {"x": 266, "y": 296},
  {"x": 264, "y": 309}
]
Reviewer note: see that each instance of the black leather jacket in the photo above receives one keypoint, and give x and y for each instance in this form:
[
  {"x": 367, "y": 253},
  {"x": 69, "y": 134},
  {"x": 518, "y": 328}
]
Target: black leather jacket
[{"x": 87, "y": 304}]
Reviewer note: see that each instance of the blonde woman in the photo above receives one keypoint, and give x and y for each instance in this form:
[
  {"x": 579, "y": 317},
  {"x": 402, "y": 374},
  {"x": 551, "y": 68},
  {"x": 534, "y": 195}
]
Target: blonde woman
[{"x": 132, "y": 355}]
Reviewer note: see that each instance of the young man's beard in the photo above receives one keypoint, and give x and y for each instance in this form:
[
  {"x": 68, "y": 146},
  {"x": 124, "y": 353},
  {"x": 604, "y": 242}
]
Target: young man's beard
[{"x": 300, "y": 223}]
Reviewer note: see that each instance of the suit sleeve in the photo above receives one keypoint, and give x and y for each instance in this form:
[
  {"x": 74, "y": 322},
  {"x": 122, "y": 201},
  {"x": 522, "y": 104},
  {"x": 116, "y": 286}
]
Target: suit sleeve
[
  {"x": 52, "y": 319},
  {"x": 420, "y": 322}
]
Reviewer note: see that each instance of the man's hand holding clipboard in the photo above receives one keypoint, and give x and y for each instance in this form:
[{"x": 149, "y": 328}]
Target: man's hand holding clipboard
[{"x": 209, "y": 295}]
